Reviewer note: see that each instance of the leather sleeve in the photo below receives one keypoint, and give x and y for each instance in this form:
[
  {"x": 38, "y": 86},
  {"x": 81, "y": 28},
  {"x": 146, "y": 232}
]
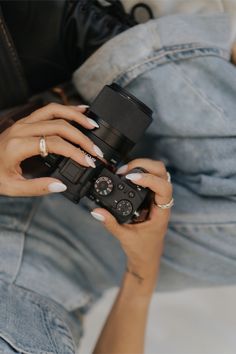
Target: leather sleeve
[
  {"x": 35, "y": 27},
  {"x": 13, "y": 86},
  {"x": 53, "y": 38}
]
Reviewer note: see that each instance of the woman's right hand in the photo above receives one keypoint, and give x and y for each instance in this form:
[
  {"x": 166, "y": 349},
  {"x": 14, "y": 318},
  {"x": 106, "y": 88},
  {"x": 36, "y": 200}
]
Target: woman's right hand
[{"x": 21, "y": 141}]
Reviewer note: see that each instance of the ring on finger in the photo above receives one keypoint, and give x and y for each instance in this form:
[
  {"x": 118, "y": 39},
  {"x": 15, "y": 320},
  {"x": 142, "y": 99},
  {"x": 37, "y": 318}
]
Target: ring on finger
[
  {"x": 165, "y": 206},
  {"x": 168, "y": 177},
  {"x": 43, "y": 146}
]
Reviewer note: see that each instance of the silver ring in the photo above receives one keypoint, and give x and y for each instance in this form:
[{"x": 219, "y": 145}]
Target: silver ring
[
  {"x": 165, "y": 206},
  {"x": 43, "y": 147},
  {"x": 168, "y": 177}
]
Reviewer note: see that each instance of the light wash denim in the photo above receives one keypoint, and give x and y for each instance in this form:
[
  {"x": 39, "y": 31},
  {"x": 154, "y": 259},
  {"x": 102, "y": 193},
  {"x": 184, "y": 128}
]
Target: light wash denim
[
  {"x": 55, "y": 260},
  {"x": 162, "y": 8}
]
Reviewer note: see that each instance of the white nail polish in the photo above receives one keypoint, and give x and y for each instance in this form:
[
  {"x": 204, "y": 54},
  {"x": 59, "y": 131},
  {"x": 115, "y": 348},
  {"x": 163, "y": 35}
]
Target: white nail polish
[
  {"x": 98, "y": 151},
  {"x": 134, "y": 176},
  {"x": 122, "y": 169},
  {"x": 57, "y": 187},
  {"x": 97, "y": 216},
  {"x": 92, "y": 122},
  {"x": 83, "y": 106},
  {"x": 90, "y": 161}
]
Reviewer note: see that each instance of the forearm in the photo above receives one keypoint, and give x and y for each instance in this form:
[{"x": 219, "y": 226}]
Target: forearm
[{"x": 124, "y": 329}]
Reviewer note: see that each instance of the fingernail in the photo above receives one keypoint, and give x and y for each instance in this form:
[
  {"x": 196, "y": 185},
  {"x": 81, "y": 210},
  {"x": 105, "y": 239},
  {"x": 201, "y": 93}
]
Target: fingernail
[
  {"x": 97, "y": 216},
  {"x": 98, "y": 151},
  {"x": 83, "y": 106},
  {"x": 168, "y": 177},
  {"x": 90, "y": 161},
  {"x": 57, "y": 187},
  {"x": 134, "y": 176},
  {"x": 92, "y": 122},
  {"x": 122, "y": 169}
]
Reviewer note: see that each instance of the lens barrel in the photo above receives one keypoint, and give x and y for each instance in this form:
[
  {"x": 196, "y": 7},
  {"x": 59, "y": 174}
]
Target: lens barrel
[{"x": 122, "y": 120}]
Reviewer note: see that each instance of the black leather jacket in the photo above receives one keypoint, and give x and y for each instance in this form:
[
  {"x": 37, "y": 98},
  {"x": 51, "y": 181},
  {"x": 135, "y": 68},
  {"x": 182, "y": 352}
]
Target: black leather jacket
[
  {"x": 31, "y": 54},
  {"x": 42, "y": 42}
]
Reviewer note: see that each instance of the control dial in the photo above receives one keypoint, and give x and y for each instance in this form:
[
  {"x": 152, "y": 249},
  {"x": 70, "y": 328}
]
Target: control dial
[
  {"x": 103, "y": 186},
  {"x": 124, "y": 207}
]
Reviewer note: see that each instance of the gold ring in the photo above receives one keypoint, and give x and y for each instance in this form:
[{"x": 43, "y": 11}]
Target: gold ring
[
  {"x": 165, "y": 206},
  {"x": 168, "y": 177},
  {"x": 43, "y": 147}
]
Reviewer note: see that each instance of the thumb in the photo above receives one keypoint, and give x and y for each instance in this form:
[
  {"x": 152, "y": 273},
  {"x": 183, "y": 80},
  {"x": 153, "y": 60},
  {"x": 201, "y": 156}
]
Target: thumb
[
  {"x": 37, "y": 187},
  {"x": 109, "y": 221}
]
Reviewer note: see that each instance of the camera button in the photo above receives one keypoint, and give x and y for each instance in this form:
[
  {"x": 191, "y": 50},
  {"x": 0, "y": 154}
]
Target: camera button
[
  {"x": 124, "y": 207},
  {"x": 131, "y": 194},
  {"x": 121, "y": 186},
  {"x": 114, "y": 204}
]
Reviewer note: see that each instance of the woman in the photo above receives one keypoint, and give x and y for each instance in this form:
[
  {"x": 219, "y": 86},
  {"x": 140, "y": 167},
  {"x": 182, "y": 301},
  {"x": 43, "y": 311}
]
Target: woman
[
  {"x": 142, "y": 243},
  {"x": 50, "y": 268}
]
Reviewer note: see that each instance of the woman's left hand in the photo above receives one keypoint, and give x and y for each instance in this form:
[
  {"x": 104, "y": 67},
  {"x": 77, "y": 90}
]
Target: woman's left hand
[{"x": 143, "y": 242}]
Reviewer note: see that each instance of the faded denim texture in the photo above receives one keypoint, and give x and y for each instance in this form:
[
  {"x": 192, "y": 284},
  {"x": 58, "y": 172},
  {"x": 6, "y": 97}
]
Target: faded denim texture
[{"x": 54, "y": 258}]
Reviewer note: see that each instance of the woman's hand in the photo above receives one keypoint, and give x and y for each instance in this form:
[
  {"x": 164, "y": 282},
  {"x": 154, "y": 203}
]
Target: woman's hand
[
  {"x": 143, "y": 242},
  {"x": 21, "y": 141}
]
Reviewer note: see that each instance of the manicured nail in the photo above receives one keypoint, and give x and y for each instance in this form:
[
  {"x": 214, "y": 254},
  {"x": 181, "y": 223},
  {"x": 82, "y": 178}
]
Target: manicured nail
[
  {"x": 57, "y": 187},
  {"x": 83, "y": 106},
  {"x": 98, "y": 151},
  {"x": 134, "y": 176},
  {"x": 89, "y": 161},
  {"x": 122, "y": 169},
  {"x": 97, "y": 216},
  {"x": 92, "y": 122},
  {"x": 168, "y": 177}
]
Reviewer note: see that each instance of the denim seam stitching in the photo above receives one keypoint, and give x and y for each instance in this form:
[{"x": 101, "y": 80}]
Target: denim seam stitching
[
  {"x": 68, "y": 334},
  {"x": 44, "y": 320},
  {"x": 50, "y": 309},
  {"x": 198, "y": 91},
  {"x": 164, "y": 53},
  {"x": 15, "y": 346},
  {"x": 23, "y": 232},
  {"x": 4, "y": 336}
]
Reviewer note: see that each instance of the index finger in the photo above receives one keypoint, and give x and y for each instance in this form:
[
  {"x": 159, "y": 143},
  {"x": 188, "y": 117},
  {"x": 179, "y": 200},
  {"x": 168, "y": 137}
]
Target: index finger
[
  {"x": 55, "y": 110},
  {"x": 152, "y": 166}
]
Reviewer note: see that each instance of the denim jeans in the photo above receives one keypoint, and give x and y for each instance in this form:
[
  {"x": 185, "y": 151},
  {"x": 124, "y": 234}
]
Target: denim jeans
[{"x": 55, "y": 260}]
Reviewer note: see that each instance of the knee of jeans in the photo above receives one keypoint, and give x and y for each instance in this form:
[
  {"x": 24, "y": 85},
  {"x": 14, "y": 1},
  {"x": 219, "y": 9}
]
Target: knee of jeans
[{"x": 32, "y": 324}]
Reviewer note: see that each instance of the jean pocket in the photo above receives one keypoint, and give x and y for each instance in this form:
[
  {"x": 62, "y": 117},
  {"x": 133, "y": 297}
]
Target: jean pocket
[{"x": 32, "y": 324}]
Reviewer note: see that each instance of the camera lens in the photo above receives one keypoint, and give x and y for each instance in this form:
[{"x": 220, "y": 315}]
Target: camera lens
[{"x": 122, "y": 120}]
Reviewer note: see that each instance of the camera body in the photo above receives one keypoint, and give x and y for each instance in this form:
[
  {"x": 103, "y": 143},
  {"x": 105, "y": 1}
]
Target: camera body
[
  {"x": 114, "y": 110},
  {"x": 107, "y": 189}
]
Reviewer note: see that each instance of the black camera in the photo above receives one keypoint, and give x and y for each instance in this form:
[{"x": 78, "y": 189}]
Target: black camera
[{"x": 122, "y": 121}]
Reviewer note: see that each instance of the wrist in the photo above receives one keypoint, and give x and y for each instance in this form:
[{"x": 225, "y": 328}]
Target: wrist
[
  {"x": 140, "y": 285},
  {"x": 146, "y": 269}
]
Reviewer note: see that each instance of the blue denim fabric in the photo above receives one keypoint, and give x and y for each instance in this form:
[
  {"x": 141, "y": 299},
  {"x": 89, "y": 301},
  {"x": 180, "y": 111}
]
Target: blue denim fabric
[
  {"x": 55, "y": 259},
  {"x": 179, "y": 66}
]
